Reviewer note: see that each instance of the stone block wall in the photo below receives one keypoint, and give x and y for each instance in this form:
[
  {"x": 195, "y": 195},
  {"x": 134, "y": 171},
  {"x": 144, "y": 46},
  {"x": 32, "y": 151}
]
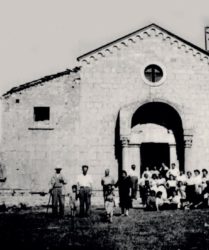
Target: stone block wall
[{"x": 32, "y": 149}]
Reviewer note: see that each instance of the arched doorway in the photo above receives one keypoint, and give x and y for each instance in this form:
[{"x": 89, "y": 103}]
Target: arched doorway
[
  {"x": 155, "y": 135},
  {"x": 156, "y": 145}
]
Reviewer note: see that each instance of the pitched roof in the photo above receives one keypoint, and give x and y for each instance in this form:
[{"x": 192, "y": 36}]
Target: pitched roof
[
  {"x": 153, "y": 25},
  {"x": 40, "y": 81}
]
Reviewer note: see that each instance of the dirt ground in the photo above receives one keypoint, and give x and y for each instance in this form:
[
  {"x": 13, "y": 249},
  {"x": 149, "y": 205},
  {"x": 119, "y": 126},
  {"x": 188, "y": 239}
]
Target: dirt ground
[{"x": 33, "y": 229}]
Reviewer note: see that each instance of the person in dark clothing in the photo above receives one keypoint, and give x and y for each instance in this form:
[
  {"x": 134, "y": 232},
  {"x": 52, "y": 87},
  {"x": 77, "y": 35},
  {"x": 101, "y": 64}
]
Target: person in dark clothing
[
  {"x": 163, "y": 170},
  {"x": 190, "y": 189},
  {"x": 151, "y": 202},
  {"x": 204, "y": 201},
  {"x": 145, "y": 192},
  {"x": 124, "y": 185}
]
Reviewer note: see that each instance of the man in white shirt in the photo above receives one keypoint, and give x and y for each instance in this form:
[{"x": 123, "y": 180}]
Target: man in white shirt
[
  {"x": 134, "y": 181},
  {"x": 84, "y": 184}
]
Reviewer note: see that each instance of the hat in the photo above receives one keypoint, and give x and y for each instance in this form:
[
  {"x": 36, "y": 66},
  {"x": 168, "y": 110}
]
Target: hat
[
  {"x": 197, "y": 170},
  {"x": 58, "y": 169},
  {"x": 204, "y": 170}
]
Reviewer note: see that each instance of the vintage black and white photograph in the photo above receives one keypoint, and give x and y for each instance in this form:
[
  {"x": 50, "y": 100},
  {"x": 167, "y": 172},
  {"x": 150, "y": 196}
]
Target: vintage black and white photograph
[{"x": 104, "y": 125}]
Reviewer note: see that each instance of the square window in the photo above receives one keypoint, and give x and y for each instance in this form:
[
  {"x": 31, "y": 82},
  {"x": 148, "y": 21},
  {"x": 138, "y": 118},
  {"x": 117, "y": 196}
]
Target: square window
[{"x": 41, "y": 114}]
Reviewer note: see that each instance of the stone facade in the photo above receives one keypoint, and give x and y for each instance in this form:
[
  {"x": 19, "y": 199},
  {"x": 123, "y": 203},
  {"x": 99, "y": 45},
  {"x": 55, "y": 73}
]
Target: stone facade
[
  {"x": 113, "y": 83},
  {"x": 91, "y": 112}
]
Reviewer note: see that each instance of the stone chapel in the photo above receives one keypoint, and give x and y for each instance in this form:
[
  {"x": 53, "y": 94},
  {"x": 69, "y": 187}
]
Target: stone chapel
[{"x": 142, "y": 99}]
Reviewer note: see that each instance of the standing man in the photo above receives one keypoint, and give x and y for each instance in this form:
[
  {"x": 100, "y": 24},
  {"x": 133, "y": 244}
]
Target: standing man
[
  {"x": 134, "y": 181},
  {"x": 57, "y": 192},
  {"x": 84, "y": 183},
  {"x": 106, "y": 181}
]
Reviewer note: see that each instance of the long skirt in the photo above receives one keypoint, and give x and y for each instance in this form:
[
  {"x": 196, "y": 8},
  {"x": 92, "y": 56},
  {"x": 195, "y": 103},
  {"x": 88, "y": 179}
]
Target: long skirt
[{"x": 190, "y": 193}]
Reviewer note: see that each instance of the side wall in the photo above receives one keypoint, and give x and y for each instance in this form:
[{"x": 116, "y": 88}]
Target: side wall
[{"x": 31, "y": 149}]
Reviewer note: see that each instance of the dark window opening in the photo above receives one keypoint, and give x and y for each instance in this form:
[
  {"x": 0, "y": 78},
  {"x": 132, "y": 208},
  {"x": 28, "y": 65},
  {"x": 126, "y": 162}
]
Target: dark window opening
[
  {"x": 153, "y": 73},
  {"x": 41, "y": 114},
  {"x": 17, "y": 100},
  {"x": 3, "y": 176}
]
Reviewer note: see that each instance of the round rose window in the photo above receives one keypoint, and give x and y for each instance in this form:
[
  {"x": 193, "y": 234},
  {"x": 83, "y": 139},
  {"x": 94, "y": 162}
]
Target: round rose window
[{"x": 153, "y": 73}]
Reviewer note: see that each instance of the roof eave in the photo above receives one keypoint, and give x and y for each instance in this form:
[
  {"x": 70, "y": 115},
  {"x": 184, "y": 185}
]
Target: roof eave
[
  {"x": 39, "y": 81},
  {"x": 137, "y": 31}
]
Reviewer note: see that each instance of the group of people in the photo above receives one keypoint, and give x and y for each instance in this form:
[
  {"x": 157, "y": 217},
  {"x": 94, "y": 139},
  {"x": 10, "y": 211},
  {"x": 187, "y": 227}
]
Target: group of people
[
  {"x": 127, "y": 186},
  {"x": 171, "y": 189},
  {"x": 159, "y": 189},
  {"x": 81, "y": 191}
]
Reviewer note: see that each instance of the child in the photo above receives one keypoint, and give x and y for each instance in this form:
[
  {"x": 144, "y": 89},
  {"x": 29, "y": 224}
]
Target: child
[
  {"x": 145, "y": 191},
  {"x": 159, "y": 201},
  {"x": 151, "y": 201},
  {"x": 171, "y": 185},
  {"x": 181, "y": 191},
  {"x": 175, "y": 200},
  {"x": 109, "y": 202},
  {"x": 153, "y": 182},
  {"x": 73, "y": 201}
]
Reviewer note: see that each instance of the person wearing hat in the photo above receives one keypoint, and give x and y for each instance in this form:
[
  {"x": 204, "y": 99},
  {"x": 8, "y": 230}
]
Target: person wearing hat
[
  {"x": 84, "y": 184},
  {"x": 58, "y": 198}
]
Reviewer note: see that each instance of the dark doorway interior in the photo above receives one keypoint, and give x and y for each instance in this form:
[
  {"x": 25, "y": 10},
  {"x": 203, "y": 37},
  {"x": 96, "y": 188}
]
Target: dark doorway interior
[
  {"x": 166, "y": 116},
  {"x": 153, "y": 154}
]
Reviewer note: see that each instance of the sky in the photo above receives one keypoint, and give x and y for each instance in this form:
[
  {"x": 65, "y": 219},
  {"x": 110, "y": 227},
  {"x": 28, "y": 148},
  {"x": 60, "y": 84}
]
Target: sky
[{"x": 43, "y": 37}]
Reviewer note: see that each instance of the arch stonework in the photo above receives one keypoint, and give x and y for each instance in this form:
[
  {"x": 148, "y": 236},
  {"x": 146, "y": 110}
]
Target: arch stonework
[
  {"x": 127, "y": 112},
  {"x": 130, "y": 151}
]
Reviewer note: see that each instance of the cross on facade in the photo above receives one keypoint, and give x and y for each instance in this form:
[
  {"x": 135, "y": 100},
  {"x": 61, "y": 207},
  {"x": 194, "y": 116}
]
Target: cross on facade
[{"x": 153, "y": 73}]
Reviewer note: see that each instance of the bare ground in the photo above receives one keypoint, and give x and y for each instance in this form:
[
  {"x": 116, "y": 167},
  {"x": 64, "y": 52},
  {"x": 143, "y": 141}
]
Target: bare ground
[{"x": 33, "y": 229}]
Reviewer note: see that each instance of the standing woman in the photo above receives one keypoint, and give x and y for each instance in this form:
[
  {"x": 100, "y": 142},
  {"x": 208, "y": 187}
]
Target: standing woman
[{"x": 124, "y": 185}]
